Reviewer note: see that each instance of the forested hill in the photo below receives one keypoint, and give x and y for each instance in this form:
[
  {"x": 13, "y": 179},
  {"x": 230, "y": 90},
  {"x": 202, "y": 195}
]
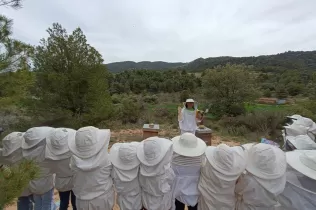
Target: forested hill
[
  {"x": 302, "y": 60},
  {"x": 129, "y": 65}
]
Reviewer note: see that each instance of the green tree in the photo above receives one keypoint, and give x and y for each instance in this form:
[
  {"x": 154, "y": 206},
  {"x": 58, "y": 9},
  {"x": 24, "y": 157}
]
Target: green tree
[
  {"x": 13, "y": 181},
  {"x": 228, "y": 87},
  {"x": 70, "y": 74}
]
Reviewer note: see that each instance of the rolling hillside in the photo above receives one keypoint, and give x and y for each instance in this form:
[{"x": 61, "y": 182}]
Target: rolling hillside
[{"x": 303, "y": 60}]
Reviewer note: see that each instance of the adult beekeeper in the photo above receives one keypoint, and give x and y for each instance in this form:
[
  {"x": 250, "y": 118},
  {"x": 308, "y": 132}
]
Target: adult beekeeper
[
  {"x": 263, "y": 180},
  {"x": 12, "y": 155},
  {"x": 187, "y": 117},
  {"x": 188, "y": 152},
  {"x": 156, "y": 175},
  {"x": 221, "y": 169},
  {"x": 33, "y": 148},
  {"x": 300, "y": 188},
  {"x": 58, "y": 156},
  {"x": 93, "y": 185},
  {"x": 125, "y": 170}
]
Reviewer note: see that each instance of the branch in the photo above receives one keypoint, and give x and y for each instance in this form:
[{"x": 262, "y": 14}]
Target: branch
[{"x": 15, "y": 4}]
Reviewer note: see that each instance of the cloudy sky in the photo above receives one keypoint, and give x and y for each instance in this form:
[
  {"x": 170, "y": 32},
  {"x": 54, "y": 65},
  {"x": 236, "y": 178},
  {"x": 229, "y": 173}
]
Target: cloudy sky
[{"x": 174, "y": 30}]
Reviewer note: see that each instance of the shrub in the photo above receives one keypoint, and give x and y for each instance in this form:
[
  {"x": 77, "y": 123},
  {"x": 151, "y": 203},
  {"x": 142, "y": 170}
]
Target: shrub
[
  {"x": 116, "y": 99},
  {"x": 128, "y": 111},
  {"x": 184, "y": 95},
  {"x": 267, "y": 93},
  {"x": 153, "y": 99}
]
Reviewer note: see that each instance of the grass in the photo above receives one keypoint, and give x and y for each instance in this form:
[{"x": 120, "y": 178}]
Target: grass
[{"x": 253, "y": 107}]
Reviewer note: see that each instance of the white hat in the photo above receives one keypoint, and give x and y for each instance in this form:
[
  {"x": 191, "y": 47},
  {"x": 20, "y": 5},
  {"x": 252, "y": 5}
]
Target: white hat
[
  {"x": 152, "y": 150},
  {"x": 266, "y": 161},
  {"x": 302, "y": 142},
  {"x": 190, "y": 100},
  {"x": 304, "y": 122},
  {"x": 295, "y": 130},
  {"x": 229, "y": 161},
  {"x": 188, "y": 145},
  {"x": 248, "y": 146},
  {"x": 89, "y": 141},
  {"x": 57, "y": 143},
  {"x": 303, "y": 161},
  {"x": 34, "y": 136},
  {"x": 124, "y": 155},
  {"x": 11, "y": 143}
]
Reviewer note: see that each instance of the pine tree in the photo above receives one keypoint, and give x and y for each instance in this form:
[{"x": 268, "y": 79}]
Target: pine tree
[{"x": 14, "y": 179}]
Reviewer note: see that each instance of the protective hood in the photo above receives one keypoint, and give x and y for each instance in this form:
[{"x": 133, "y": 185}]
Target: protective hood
[{"x": 90, "y": 164}]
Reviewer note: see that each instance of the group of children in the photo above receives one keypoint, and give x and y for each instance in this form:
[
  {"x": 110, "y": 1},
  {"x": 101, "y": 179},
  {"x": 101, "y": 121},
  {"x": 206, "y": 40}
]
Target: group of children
[{"x": 157, "y": 173}]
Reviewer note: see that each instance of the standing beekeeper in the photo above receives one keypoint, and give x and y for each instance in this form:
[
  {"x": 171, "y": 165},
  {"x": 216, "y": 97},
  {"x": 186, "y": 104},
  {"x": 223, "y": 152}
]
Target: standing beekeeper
[
  {"x": 221, "y": 168},
  {"x": 156, "y": 175},
  {"x": 93, "y": 185},
  {"x": 33, "y": 148},
  {"x": 263, "y": 180},
  {"x": 187, "y": 117},
  {"x": 125, "y": 170},
  {"x": 58, "y": 156},
  {"x": 188, "y": 152},
  {"x": 12, "y": 155},
  {"x": 300, "y": 188}
]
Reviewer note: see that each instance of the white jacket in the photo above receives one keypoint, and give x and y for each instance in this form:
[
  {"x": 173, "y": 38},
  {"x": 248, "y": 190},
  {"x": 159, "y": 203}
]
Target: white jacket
[
  {"x": 299, "y": 192},
  {"x": 45, "y": 182},
  {"x": 93, "y": 185},
  {"x": 216, "y": 193},
  {"x": 253, "y": 195},
  {"x": 187, "y": 174},
  {"x": 156, "y": 183},
  {"x": 64, "y": 175},
  {"x": 127, "y": 188}
]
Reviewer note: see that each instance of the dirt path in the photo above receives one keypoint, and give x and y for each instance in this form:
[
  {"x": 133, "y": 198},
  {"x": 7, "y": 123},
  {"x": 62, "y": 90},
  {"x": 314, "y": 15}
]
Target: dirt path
[{"x": 136, "y": 135}]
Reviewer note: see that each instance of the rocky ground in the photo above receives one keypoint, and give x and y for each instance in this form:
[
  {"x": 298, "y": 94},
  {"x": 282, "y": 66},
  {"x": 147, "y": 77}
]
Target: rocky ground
[{"x": 136, "y": 135}]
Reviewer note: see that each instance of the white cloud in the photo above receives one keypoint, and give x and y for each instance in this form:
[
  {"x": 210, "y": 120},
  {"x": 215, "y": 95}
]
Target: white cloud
[{"x": 177, "y": 30}]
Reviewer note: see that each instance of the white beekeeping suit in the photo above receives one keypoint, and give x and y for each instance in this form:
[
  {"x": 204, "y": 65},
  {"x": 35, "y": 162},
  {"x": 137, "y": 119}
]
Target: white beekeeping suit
[
  {"x": 93, "y": 185},
  {"x": 187, "y": 118},
  {"x": 125, "y": 170},
  {"x": 221, "y": 169},
  {"x": 188, "y": 152},
  {"x": 264, "y": 179},
  {"x": 33, "y": 148},
  {"x": 300, "y": 188},
  {"x": 156, "y": 175},
  {"x": 58, "y": 157}
]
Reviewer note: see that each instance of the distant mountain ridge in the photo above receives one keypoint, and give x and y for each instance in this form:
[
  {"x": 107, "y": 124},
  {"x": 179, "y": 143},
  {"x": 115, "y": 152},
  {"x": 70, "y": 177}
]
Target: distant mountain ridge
[
  {"x": 129, "y": 65},
  {"x": 303, "y": 60}
]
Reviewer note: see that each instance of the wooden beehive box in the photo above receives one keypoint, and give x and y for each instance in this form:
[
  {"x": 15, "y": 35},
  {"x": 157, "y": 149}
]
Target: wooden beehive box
[
  {"x": 150, "y": 130},
  {"x": 205, "y": 134}
]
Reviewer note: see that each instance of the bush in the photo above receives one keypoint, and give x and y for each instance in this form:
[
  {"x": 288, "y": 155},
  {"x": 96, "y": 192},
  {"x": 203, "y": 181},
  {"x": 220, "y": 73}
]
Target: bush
[
  {"x": 116, "y": 99},
  {"x": 264, "y": 122},
  {"x": 128, "y": 111},
  {"x": 237, "y": 131},
  {"x": 184, "y": 95},
  {"x": 151, "y": 99},
  {"x": 267, "y": 93},
  {"x": 306, "y": 109}
]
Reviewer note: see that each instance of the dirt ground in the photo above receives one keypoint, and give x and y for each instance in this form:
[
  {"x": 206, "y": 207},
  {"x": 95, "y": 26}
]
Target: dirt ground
[{"x": 129, "y": 135}]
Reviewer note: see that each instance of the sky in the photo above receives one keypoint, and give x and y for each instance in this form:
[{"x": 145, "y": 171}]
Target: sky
[{"x": 174, "y": 30}]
